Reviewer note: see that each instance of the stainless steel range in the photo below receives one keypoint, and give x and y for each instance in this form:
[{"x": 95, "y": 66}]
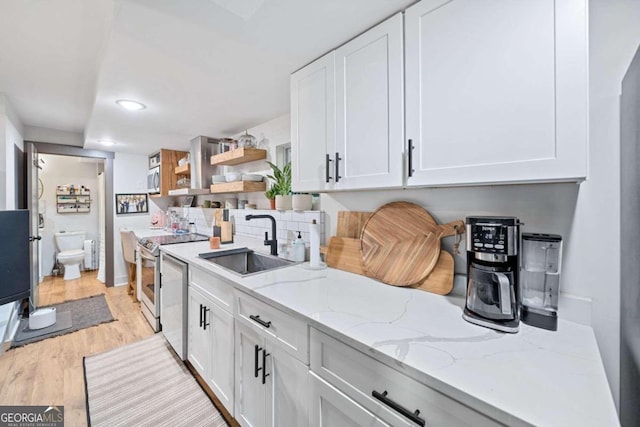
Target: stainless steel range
[{"x": 148, "y": 271}]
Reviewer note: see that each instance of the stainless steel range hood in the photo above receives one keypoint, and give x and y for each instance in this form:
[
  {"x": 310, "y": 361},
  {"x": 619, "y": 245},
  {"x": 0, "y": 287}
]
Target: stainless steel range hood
[{"x": 201, "y": 150}]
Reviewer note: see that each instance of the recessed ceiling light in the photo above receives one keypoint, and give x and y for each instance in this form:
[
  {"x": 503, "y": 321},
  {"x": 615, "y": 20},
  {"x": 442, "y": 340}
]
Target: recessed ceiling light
[
  {"x": 130, "y": 105},
  {"x": 106, "y": 142}
]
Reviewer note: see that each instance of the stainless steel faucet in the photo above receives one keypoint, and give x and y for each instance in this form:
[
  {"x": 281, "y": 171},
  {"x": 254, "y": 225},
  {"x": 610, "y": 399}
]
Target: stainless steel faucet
[{"x": 273, "y": 242}]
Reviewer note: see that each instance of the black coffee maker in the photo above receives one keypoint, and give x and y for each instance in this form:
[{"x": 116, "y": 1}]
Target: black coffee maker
[{"x": 493, "y": 262}]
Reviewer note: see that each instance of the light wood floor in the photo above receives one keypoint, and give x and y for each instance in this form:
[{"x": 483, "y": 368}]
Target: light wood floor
[{"x": 49, "y": 372}]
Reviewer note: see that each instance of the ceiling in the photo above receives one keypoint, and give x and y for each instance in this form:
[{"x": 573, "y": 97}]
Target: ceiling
[{"x": 202, "y": 67}]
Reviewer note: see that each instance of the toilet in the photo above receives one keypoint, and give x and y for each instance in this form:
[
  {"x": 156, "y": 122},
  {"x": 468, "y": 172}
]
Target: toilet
[{"x": 70, "y": 252}]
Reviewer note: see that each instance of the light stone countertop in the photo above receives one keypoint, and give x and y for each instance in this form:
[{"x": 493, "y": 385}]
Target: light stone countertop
[{"x": 536, "y": 376}]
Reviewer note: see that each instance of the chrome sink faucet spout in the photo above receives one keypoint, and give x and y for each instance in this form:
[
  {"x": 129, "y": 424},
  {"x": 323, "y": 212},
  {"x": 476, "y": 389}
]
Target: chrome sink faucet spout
[{"x": 273, "y": 242}]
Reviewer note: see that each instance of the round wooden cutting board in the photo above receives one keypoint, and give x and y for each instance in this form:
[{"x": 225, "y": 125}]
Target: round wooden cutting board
[{"x": 400, "y": 243}]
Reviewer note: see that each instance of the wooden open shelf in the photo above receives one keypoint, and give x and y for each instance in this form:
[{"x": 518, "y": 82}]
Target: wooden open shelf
[
  {"x": 238, "y": 187},
  {"x": 183, "y": 170},
  {"x": 239, "y": 156}
]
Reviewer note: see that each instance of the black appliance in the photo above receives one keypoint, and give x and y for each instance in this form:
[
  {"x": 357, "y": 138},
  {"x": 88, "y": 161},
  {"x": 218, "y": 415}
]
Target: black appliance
[
  {"x": 15, "y": 264},
  {"x": 493, "y": 262}
]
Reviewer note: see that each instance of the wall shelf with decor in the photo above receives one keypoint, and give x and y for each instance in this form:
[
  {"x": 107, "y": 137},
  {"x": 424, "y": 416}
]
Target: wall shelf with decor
[
  {"x": 71, "y": 199},
  {"x": 183, "y": 170},
  {"x": 239, "y": 156},
  {"x": 238, "y": 187}
]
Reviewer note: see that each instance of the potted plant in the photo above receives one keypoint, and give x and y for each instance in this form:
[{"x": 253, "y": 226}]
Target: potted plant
[
  {"x": 271, "y": 194},
  {"x": 282, "y": 183}
]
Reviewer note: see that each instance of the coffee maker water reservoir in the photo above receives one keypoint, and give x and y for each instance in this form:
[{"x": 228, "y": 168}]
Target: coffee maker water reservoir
[{"x": 540, "y": 279}]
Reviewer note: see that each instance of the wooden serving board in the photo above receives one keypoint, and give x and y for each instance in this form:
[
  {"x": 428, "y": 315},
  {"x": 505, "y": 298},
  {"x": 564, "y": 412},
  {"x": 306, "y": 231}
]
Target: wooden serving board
[
  {"x": 440, "y": 280},
  {"x": 350, "y": 223},
  {"x": 343, "y": 253},
  {"x": 400, "y": 243},
  {"x": 342, "y": 257}
]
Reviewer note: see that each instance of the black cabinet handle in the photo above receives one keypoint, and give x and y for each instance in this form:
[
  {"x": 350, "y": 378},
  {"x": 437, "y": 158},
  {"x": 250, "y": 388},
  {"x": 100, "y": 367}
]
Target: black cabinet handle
[
  {"x": 413, "y": 416},
  {"x": 205, "y": 323},
  {"x": 260, "y": 321},
  {"x": 201, "y": 307},
  {"x": 338, "y": 158},
  {"x": 327, "y": 177},
  {"x": 34, "y": 238},
  {"x": 264, "y": 366},
  {"x": 256, "y": 369},
  {"x": 410, "y": 152}
]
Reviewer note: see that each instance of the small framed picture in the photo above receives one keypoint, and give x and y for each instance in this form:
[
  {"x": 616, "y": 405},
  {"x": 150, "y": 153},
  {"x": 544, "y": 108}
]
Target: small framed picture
[
  {"x": 132, "y": 203},
  {"x": 189, "y": 201}
]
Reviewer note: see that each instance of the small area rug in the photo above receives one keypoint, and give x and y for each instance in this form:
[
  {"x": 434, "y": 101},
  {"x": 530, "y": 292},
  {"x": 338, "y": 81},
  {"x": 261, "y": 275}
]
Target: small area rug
[
  {"x": 144, "y": 383},
  {"x": 83, "y": 313}
]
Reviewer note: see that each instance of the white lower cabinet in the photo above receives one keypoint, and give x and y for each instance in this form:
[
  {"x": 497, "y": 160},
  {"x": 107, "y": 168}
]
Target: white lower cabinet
[
  {"x": 210, "y": 344},
  {"x": 391, "y": 396},
  {"x": 271, "y": 386},
  {"x": 329, "y": 407},
  {"x": 197, "y": 342}
]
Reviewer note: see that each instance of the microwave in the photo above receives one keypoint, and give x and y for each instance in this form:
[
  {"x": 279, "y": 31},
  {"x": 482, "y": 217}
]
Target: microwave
[
  {"x": 154, "y": 160},
  {"x": 153, "y": 180}
]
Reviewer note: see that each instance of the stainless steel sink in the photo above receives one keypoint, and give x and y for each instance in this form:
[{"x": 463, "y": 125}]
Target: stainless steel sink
[{"x": 245, "y": 262}]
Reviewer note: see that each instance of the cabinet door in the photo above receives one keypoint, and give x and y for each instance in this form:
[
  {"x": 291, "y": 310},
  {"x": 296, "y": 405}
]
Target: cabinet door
[
  {"x": 198, "y": 338},
  {"x": 287, "y": 388},
  {"x": 221, "y": 373},
  {"x": 496, "y": 91},
  {"x": 328, "y": 407},
  {"x": 313, "y": 125},
  {"x": 249, "y": 391},
  {"x": 370, "y": 108}
]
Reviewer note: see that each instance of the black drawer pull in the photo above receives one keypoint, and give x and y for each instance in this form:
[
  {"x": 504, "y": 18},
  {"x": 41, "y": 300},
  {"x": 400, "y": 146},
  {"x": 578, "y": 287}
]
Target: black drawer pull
[
  {"x": 201, "y": 315},
  {"x": 327, "y": 176},
  {"x": 264, "y": 366},
  {"x": 256, "y": 369},
  {"x": 260, "y": 321},
  {"x": 338, "y": 158},
  {"x": 204, "y": 321},
  {"x": 413, "y": 416},
  {"x": 410, "y": 150}
]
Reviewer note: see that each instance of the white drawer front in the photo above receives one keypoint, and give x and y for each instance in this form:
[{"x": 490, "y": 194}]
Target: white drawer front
[
  {"x": 287, "y": 331},
  {"x": 220, "y": 291},
  {"x": 358, "y": 376}
]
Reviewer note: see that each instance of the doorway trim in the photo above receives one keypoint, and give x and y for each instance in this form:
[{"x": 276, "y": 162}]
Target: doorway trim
[{"x": 108, "y": 156}]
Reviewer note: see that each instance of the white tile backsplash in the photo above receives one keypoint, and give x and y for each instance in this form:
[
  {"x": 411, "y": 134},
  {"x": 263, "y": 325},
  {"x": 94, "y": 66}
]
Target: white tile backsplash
[{"x": 288, "y": 223}]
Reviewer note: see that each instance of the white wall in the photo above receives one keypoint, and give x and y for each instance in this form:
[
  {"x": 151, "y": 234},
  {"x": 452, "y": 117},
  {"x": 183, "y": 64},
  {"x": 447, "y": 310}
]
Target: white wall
[
  {"x": 11, "y": 131},
  {"x": 129, "y": 176},
  {"x": 62, "y": 170},
  {"x": 614, "y": 34}
]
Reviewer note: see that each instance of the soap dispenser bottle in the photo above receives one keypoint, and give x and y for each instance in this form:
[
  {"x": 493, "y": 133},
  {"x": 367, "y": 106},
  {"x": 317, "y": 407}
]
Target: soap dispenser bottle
[{"x": 298, "y": 249}]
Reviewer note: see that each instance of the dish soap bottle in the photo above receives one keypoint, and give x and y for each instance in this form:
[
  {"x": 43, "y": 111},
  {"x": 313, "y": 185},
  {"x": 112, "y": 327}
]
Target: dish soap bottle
[{"x": 298, "y": 249}]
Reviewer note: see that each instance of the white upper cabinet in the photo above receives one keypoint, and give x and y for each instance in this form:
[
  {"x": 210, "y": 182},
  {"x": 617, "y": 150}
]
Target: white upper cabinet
[
  {"x": 313, "y": 125},
  {"x": 496, "y": 91},
  {"x": 370, "y": 109},
  {"x": 347, "y": 115}
]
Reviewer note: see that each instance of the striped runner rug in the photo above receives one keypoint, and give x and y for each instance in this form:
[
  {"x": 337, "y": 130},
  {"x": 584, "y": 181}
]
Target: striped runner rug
[{"x": 145, "y": 384}]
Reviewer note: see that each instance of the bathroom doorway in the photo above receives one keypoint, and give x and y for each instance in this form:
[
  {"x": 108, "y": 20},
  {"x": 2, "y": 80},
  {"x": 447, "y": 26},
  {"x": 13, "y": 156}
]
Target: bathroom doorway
[
  {"x": 69, "y": 203},
  {"x": 33, "y": 187}
]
